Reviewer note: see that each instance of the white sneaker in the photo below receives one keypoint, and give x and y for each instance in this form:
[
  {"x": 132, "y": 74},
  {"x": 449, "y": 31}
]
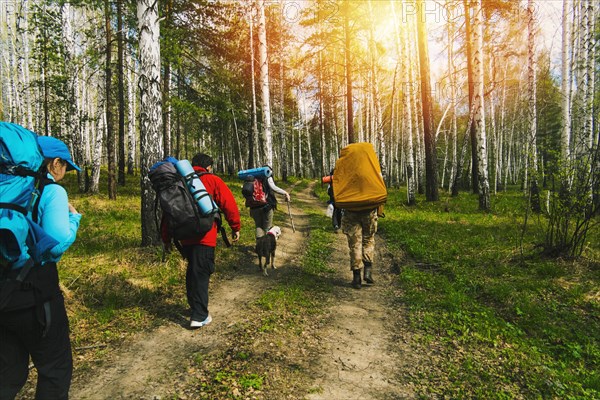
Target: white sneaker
[{"x": 200, "y": 324}]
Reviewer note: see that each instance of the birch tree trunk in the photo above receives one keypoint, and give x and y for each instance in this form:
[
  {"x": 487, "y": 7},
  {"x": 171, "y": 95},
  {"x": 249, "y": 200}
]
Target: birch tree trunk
[
  {"x": 402, "y": 44},
  {"x": 267, "y": 145},
  {"x": 589, "y": 66},
  {"x": 131, "y": 127},
  {"x": 254, "y": 156},
  {"x": 73, "y": 112},
  {"x": 431, "y": 184},
  {"x": 378, "y": 114},
  {"x": 471, "y": 82},
  {"x": 166, "y": 100},
  {"x": 532, "y": 112},
  {"x": 13, "y": 94},
  {"x": 22, "y": 28},
  {"x": 282, "y": 131},
  {"x": 565, "y": 87},
  {"x": 111, "y": 153},
  {"x": 321, "y": 117},
  {"x": 348, "y": 74},
  {"x": 100, "y": 131},
  {"x": 453, "y": 94},
  {"x": 121, "y": 93},
  {"x": 478, "y": 103},
  {"x": 150, "y": 110}
]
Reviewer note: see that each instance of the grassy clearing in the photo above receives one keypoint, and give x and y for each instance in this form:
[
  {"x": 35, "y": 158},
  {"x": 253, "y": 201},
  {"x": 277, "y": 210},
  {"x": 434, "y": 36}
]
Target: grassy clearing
[
  {"x": 508, "y": 323},
  {"x": 503, "y": 322}
]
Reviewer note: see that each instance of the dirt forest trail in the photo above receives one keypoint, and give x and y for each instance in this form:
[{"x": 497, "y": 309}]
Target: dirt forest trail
[{"x": 355, "y": 354}]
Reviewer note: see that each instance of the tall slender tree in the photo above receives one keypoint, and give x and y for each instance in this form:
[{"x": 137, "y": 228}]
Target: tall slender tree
[
  {"x": 471, "y": 85},
  {"x": 121, "y": 92},
  {"x": 267, "y": 133},
  {"x": 253, "y": 157},
  {"x": 348, "y": 66},
  {"x": 110, "y": 141},
  {"x": 532, "y": 158},
  {"x": 402, "y": 50},
  {"x": 479, "y": 107},
  {"x": 150, "y": 110},
  {"x": 431, "y": 184}
]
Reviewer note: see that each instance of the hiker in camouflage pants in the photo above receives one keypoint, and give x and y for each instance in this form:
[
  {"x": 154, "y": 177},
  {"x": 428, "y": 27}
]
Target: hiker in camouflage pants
[{"x": 360, "y": 228}]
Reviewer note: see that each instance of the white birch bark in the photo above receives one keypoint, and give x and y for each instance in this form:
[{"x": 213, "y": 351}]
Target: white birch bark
[
  {"x": 13, "y": 94},
  {"x": 589, "y": 66},
  {"x": 378, "y": 113},
  {"x": 453, "y": 94},
  {"x": 100, "y": 131},
  {"x": 23, "y": 63},
  {"x": 478, "y": 102},
  {"x": 402, "y": 49},
  {"x": 73, "y": 113},
  {"x": 565, "y": 87},
  {"x": 150, "y": 109},
  {"x": 132, "y": 106},
  {"x": 283, "y": 164},
  {"x": 4, "y": 75},
  {"x": 267, "y": 149},
  {"x": 302, "y": 120},
  {"x": 254, "y": 138},
  {"x": 531, "y": 109}
]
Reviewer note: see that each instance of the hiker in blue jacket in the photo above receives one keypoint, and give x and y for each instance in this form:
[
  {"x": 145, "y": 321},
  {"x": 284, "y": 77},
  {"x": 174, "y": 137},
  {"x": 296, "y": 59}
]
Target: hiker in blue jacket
[{"x": 41, "y": 329}]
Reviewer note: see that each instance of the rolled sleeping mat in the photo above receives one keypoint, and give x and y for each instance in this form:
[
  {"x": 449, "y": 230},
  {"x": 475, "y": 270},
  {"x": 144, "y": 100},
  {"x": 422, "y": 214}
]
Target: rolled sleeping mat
[
  {"x": 261, "y": 172},
  {"x": 195, "y": 186},
  {"x": 157, "y": 164}
]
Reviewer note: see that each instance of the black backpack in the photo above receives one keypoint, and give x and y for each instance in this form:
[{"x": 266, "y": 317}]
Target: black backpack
[{"x": 183, "y": 216}]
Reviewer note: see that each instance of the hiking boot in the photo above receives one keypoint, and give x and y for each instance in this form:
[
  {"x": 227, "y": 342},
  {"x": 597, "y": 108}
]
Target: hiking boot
[
  {"x": 200, "y": 324},
  {"x": 356, "y": 281},
  {"x": 368, "y": 276}
]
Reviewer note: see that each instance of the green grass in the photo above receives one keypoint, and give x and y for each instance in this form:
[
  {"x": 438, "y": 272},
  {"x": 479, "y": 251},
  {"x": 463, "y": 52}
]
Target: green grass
[
  {"x": 506, "y": 322},
  {"x": 509, "y": 322}
]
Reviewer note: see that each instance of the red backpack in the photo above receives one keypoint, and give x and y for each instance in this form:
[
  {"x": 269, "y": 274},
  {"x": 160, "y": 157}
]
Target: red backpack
[{"x": 254, "y": 193}]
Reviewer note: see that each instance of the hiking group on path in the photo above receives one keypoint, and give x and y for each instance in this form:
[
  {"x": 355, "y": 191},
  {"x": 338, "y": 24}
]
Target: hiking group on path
[{"x": 193, "y": 200}]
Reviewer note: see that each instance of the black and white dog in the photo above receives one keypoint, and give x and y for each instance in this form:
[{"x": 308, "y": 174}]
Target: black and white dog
[{"x": 265, "y": 248}]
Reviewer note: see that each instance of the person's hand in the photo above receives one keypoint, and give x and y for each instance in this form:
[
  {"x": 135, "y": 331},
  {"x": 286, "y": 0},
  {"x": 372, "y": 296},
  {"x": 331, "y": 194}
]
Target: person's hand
[
  {"x": 235, "y": 236},
  {"x": 72, "y": 209},
  {"x": 287, "y": 197}
]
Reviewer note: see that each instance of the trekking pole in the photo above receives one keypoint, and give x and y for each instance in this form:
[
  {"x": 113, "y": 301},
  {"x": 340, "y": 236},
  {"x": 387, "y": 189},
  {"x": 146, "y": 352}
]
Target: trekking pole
[{"x": 291, "y": 219}]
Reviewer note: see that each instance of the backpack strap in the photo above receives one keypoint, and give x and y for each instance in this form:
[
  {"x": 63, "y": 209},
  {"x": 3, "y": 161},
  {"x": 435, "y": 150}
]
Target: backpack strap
[
  {"x": 14, "y": 207},
  {"x": 220, "y": 227},
  {"x": 35, "y": 212}
]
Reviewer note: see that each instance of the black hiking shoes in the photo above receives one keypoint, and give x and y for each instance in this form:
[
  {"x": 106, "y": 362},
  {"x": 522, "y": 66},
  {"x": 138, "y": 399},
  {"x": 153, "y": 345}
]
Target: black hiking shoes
[{"x": 356, "y": 284}]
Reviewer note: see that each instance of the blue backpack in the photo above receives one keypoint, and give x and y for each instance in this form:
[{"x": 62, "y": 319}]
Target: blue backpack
[{"x": 23, "y": 243}]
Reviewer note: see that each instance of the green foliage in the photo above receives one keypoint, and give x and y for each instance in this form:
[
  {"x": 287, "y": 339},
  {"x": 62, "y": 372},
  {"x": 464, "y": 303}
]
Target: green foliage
[
  {"x": 506, "y": 325},
  {"x": 572, "y": 214}
]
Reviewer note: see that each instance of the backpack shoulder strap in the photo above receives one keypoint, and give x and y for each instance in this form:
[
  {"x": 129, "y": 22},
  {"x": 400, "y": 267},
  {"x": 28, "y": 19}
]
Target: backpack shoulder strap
[
  {"x": 35, "y": 212},
  {"x": 218, "y": 220}
]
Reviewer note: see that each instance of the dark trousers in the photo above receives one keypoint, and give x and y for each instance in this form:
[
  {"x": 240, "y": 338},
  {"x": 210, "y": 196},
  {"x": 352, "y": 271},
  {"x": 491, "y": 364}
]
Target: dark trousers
[
  {"x": 20, "y": 337},
  {"x": 201, "y": 264}
]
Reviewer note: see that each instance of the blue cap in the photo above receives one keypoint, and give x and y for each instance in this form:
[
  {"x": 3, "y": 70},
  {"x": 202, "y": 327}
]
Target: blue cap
[{"x": 54, "y": 148}]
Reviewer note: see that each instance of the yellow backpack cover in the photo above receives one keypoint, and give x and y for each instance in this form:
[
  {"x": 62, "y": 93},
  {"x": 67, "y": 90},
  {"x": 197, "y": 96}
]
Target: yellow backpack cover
[{"x": 357, "y": 181}]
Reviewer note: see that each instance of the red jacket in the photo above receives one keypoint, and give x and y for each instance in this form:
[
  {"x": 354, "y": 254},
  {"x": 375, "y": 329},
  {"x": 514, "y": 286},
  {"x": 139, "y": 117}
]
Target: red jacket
[{"x": 226, "y": 203}]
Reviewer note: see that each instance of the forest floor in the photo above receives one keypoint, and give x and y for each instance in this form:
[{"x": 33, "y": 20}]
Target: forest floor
[{"x": 354, "y": 347}]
